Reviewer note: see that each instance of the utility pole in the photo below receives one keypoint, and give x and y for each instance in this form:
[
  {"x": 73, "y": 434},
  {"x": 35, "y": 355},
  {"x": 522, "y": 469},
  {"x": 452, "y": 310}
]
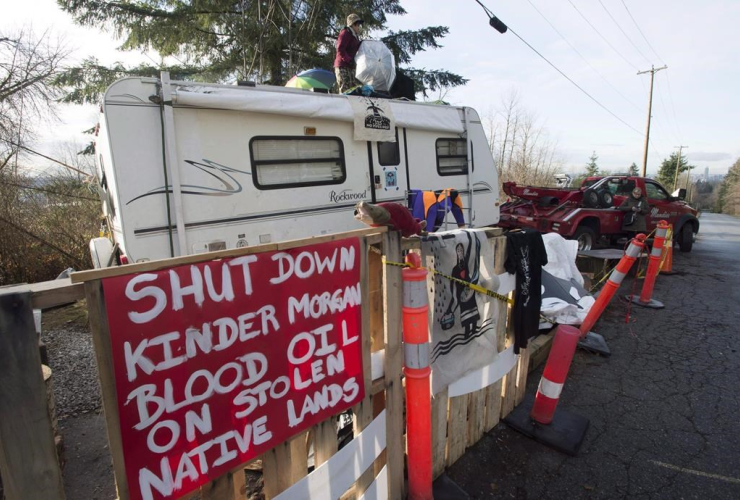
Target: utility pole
[
  {"x": 652, "y": 72},
  {"x": 678, "y": 165}
]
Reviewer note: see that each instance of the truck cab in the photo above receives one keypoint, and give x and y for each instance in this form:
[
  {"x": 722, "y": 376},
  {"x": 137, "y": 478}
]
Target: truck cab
[{"x": 589, "y": 213}]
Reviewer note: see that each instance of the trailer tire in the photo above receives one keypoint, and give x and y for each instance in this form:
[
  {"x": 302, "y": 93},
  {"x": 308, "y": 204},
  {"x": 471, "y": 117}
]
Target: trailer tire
[
  {"x": 586, "y": 238},
  {"x": 591, "y": 198},
  {"x": 686, "y": 238},
  {"x": 606, "y": 199}
]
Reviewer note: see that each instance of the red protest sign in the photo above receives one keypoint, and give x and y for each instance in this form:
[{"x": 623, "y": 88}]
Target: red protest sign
[{"x": 217, "y": 362}]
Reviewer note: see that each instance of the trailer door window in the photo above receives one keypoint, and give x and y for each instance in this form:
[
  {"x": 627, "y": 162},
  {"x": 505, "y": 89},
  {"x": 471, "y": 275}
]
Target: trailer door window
[
  {"x": 285, "y": 162},
  {"x": 389, "y": 154},
  {"x": 452, "y": 157}
]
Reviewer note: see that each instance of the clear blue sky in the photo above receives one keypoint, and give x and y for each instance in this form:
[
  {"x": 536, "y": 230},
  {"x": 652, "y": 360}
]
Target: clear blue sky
[{"x": 695, "y": 40}]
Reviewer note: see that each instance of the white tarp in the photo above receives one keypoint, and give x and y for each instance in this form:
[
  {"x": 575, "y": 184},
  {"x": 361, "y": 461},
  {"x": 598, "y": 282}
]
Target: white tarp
[
  {"x": 564, "y": 299},
  {"x": 463, "y": 321},
  {"x": 561, "y": 257},
  {"x": 290, "y": 102},
  {"x": 375, "y": 65},
  {"x": 374, "y": 120}
]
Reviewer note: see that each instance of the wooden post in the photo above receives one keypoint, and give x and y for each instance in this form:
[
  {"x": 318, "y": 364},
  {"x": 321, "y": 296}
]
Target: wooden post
[
  {"x": 28, "y": 457},
  {"x": 392, "y": 302},
  {"x": 494, "y": 391},
  {"x": 104, "y": 357}
]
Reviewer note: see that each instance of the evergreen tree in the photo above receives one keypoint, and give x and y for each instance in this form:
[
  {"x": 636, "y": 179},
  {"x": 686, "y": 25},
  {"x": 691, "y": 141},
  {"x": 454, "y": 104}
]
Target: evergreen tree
[
  {"x": 633, "y": 171},
  {"x": 667, "y": 171},
  {"x": 225, "y": 40},
  {"x": 592, "y": 168}
]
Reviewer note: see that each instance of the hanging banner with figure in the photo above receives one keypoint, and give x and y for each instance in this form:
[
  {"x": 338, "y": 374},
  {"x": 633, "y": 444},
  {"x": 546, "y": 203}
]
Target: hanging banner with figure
[
  {"x": 217, "y": 362},
  {"x": 463, "y": 321},
  {"x": 374, "y": 120}
]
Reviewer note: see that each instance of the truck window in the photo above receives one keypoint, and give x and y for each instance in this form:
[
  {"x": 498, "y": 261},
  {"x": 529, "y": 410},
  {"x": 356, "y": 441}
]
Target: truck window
[
  {"x": 655, "y": 192},
  {"x": 389, "y": 154},
  {"x": 285, "y": 162},
  {"x": 452, "y": 157}
]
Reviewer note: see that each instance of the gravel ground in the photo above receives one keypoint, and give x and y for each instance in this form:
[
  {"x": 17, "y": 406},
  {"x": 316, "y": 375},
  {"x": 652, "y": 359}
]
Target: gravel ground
[{"x": 74, "y": 372}]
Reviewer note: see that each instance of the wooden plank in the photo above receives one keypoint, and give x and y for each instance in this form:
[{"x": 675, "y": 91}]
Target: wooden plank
[
  {"x": 509, "y": 382},
  {"x": 276, "y": 470},
  {"x": 440, "y": 405},
  {"x": 28, "y": 458},
  {"x": 103, "y": 355},
  {"x": 47, "y": 294},
  {"x": 375, "y": 285},
  {"x": 476, "y": 416},
  {"x": 457, "y": 427},
  {"x": 392, "y": 302},
  {"x": 230, "y": 486},
  {"x": 494, "y": 397},
  {"x": 522, "y": 370},
  {"x": 363, "y": 412},
  {"x": 284, "y": 465},
  {"x": 539, "y": 350},
  {"x": 325, "y": 441},
  {"x": 156, "y": 265}
]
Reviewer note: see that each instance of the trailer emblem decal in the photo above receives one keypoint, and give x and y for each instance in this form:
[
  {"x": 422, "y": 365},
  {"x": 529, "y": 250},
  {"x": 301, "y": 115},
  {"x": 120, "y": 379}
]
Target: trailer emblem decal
[
  {"x": 213, "y": 169},
  {"x": 655, "y": 212},
  {"x": 346, "y": 195},
  {"x": 374, "y": 120}
]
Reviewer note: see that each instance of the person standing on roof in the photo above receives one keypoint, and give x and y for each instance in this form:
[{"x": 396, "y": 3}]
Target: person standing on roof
[
  {"x": 348, "y": 43},
  {"x": 636, "y": 206}
]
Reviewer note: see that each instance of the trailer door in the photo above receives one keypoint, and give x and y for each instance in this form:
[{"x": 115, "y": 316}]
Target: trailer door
[{"x": 388, "y": 169}]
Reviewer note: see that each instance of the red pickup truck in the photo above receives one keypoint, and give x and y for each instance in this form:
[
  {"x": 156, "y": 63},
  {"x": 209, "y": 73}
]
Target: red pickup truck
[{"x": 590, "y": 212}]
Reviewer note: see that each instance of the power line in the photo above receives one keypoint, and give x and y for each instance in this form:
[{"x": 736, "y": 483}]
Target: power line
[
  {"x": 582, "y": 56},
  {"x": 673, "y": 106},
  {"x": 49, "y": 158},
  {"x": 668, "y": 81},
  {"x": 21, "y": 186},
  {"x": 623, "y": 32},
  {"x": 641, "y": 33},
  {"x": 602, "y": 36},
  {"x": 490, "y": 14}
]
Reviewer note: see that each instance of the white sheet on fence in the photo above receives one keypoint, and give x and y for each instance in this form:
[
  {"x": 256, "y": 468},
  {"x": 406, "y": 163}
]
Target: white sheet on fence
[
  {"x": 463, "y": 321},
  {"x": 332, "y": 478},
  {"x": 569, "y": 303},
  {"x": 377, "y": 360},
  {"x": 483, "y": 377},
  {"x": 378, "y": 489}
]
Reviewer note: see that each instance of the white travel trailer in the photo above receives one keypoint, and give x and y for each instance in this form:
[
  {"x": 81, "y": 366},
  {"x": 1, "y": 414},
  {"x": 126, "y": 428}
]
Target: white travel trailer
[{"x": 186, "y": 167}]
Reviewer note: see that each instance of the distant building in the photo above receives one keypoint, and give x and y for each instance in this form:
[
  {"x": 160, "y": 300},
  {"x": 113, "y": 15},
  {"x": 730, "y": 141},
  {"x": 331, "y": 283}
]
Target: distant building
[{"x": 706, "y": 174}]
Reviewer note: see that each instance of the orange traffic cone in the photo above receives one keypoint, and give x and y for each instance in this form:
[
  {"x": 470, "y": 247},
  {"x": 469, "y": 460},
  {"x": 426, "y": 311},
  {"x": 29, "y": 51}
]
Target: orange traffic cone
[{"x": 666, "y": 265}]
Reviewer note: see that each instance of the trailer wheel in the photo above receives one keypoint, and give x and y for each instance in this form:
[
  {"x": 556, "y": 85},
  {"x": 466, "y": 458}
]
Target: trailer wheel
[
  {"x": 606, "y": 199},
  {"x": 686, "y": 237},
  {"x": 586, "y": 238},
  {"x": 591, "y": 198}
]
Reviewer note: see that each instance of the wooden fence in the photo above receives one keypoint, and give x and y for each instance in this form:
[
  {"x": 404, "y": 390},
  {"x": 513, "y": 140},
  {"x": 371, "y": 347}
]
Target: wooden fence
[{"x": 28, "y": 461}]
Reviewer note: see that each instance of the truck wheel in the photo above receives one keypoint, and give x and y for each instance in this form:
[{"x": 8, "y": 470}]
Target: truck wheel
[
  {"x": 586, "y": 238},
  {"x": 686, "y": 238},
  {"x": 606, "y": 199}
]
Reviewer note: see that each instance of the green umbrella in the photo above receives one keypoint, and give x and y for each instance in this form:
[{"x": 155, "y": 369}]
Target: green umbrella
[{"x": 305, "y": 82}]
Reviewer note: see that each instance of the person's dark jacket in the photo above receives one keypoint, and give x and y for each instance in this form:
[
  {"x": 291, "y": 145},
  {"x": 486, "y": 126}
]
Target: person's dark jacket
[
  {"x": 642, "y": 210},
  {"x": 347, "y": 46}
]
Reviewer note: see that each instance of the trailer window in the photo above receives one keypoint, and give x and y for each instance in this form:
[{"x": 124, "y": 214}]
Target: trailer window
[
  {"x": 452, "y": 158},
  {"x": 655, "y": 192},
  {"x": 284, "y": 162},
  {"x": 389, "y": 154}
]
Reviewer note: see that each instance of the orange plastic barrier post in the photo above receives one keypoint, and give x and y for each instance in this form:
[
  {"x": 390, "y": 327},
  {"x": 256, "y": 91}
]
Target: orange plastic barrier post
[
  {"x": 645, "y": 299},
  {"x": 666, "y": 266},
  {"x": 594, "y": 342},
  {"x": 418, "y": 386}
]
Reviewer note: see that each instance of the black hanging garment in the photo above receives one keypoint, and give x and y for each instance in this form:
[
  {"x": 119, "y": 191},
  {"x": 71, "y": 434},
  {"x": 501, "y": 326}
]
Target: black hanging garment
[{"x": 525, "y": 256}]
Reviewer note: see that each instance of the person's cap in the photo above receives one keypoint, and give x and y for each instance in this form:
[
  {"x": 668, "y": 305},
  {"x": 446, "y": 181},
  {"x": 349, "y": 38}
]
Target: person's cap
[
  {"x": 637, "y": 192},
  {"x": 354, "y": 18}
]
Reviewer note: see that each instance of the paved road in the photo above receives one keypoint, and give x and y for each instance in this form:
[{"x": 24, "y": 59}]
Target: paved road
[{"x": 664, "y": 409}]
